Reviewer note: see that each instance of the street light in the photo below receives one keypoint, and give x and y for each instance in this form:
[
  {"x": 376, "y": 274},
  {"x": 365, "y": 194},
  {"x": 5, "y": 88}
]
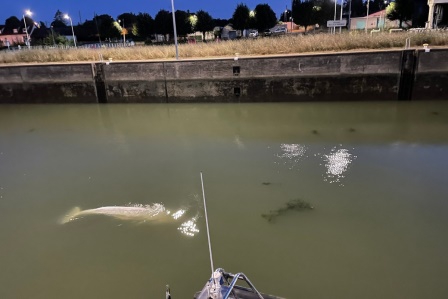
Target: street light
[
  {"x": 334, "y": 27},
  {"x": 66, "y": 16},
  {"x": 367, "y": 16},
  {"x": 340, "y": 17},
  {"x": 350, "y": 15},
  {"x": 175, "y": 30},
  {"x": 386, "y": 2},
  {"x": 52, "y": 35},
  {"x": 27, "y": 13},
  {"x": 123, "y": 31}
]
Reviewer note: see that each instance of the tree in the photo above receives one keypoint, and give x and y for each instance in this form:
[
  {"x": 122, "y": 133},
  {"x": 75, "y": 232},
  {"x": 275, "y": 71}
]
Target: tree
[
  {"x": 377, "y": 5},
  {"x": 12, "y": 23},
  {"x": 144, "y": 26},
  {"x": 358, "y": 8},
  {"x": 87, "y": 31},
  {"x": 220, "y": 22},
  {"x": 55, "y": 39},
  {"x": 126, "y": 20},
  {"x": 305, "y": 13},
  {"x": 324, "y": 11},
  {"x": 240, "y": 17},
  {"x": 59, "y": 20},
  {"x": 204, "y": 23},
  {"x": 163, "y": 22},
  {"x": 264, "y": 17},
  {"x": 401, "y": 10},
  {"x": 107, "y": 26},
  {"x": 183, "y": 23},
  {"x": 285, "y": 15},
  {"x": 311, "y": 12}
]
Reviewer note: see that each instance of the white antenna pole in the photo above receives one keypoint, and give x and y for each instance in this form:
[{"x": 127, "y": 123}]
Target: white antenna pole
[{"x": 208, "y": 230}]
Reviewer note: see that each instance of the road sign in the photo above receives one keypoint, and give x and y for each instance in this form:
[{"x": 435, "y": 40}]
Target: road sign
[{"x": 337, "y": 23}]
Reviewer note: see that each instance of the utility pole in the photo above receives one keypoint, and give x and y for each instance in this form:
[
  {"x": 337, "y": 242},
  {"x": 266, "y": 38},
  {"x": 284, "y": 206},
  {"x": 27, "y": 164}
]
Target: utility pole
[
  {"x": 175, "y": 30},
  {"x": 367, "y": 16}
]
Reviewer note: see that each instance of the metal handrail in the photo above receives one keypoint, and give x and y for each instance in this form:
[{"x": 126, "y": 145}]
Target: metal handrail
[{"x": 233, "y": 283}]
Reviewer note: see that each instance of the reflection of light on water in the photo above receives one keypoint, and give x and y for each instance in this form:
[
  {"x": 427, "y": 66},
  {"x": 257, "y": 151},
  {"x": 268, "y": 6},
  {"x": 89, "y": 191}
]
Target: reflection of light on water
[
  {"x": 178, "y": 214},
  {"x": 152, "y": 210},
  {"x": 189, "y": 227},
  {"x": 337, "y": 163},
  {"x": 292, "y": 152}
]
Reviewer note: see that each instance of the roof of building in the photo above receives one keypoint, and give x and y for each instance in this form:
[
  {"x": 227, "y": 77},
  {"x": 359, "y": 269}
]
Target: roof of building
[
  {"x": 377, "y": 14},
  {"x": 380, "y": 13}
]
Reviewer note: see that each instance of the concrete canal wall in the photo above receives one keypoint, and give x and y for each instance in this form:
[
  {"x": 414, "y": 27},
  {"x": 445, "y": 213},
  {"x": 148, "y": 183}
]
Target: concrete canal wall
[{"x": 356, "y": 76}]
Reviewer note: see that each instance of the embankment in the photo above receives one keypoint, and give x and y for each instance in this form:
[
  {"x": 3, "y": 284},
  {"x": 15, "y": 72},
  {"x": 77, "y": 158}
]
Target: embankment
[{"x": 352, "y": 76}]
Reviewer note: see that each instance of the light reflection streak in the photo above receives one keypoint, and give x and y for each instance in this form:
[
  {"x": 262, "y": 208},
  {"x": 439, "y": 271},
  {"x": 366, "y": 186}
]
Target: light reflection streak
[
  {"x": 189, "y": 227},
  {"x": 292, "y": 153},
  {"x": 178, "y": 214},
  {"x": 337, "y": 164}
]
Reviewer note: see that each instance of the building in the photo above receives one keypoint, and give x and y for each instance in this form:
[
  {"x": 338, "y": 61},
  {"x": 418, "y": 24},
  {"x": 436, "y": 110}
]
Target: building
[
  {"x": 376, "y": 20},
  {"x": 436, "y": 16},
  {"x": 11, "y": 37},
  {"x": 15, "y": 36}
]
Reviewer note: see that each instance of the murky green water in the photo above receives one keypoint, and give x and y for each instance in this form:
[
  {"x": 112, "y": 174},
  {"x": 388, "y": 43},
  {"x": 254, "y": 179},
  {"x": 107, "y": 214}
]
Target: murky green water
[{"x": 376, "y": 174}]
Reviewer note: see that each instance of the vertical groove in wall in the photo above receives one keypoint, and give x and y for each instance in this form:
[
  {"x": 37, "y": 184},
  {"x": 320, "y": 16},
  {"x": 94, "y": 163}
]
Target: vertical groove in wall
[
  {"x": 100, "y": 83},
  {"x": 164, "y": 78},
  {"x": 407, "y": 76},
  {"x": 93, "y": 67}
]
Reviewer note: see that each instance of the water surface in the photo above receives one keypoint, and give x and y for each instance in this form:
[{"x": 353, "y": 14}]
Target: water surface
[{"x": 374, "y": 172}]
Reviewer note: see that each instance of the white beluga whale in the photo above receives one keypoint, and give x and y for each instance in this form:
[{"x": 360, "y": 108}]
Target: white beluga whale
[{"x": 154, "y": 213}]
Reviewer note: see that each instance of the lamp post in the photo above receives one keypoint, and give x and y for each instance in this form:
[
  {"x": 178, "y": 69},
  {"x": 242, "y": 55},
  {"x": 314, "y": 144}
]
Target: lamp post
[
  {"x": 367, "y": 16},
  {"x": 52, "y": 35},
  {"x": 350, "y": 15},
  {"x": 175, "y": 30},
  {"x": 386, "y": 2},
  {"x": 340, "y": 17},
  {"x": 334, "y": 27},
  {"x": 123, "y": 31},
  {"x": 71, "y": 24},
  {"x": 28, "y": 42}
]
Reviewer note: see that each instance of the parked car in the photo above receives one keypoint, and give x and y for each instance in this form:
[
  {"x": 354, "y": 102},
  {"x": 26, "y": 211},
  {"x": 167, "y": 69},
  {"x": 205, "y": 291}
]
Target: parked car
[
  {"x": 280, "y": 30},
  {"x": 267, "y": 32},
  {"x": 253, "y": 33}
]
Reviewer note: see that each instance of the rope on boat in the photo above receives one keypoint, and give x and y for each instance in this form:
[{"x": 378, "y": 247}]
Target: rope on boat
[{"x": 208, "y": 230}]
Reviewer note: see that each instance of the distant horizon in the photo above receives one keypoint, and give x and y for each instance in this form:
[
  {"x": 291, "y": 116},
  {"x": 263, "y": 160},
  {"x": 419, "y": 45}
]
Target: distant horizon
[{"x": 81, "y": 10}]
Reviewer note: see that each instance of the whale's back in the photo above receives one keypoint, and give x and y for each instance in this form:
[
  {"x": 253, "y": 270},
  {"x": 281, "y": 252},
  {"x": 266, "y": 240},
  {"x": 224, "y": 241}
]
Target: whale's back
[{"x": 140, "y": 213}]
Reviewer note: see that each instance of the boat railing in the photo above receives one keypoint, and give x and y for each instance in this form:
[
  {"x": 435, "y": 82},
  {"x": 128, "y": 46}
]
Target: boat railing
[{"x": 235, "y": 278}]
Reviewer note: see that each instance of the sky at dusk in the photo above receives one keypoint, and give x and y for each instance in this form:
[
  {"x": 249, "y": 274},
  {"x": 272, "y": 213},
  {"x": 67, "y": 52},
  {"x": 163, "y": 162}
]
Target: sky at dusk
[{"x": 80, "y": 10}]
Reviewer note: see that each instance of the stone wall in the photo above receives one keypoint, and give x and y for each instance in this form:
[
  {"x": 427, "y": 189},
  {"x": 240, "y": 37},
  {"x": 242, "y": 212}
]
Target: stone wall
[
  {"x": 431, "y": 76},
  {"x": 355, "y": 76},
  {"x": 62, "y": 83}
]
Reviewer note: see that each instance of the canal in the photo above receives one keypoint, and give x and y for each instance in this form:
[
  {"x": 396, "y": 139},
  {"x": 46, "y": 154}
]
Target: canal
[{"x": 375, "y": 174}]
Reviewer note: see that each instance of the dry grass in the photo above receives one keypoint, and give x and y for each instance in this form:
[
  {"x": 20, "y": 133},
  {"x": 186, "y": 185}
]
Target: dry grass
[{"x": 248, "y": 47}]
